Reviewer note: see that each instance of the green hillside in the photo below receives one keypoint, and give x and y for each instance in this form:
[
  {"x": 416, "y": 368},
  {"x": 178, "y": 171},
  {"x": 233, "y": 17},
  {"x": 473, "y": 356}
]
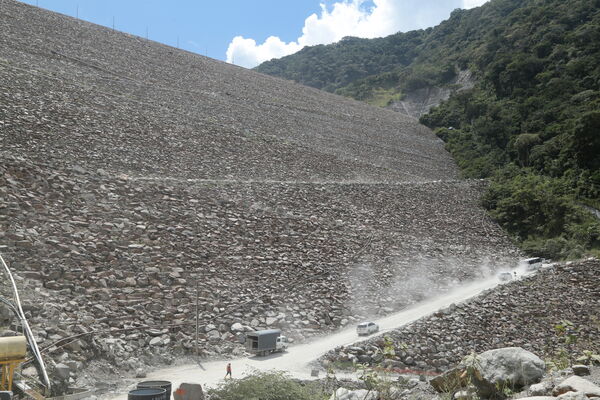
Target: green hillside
[{"x": 531, "y": 123}]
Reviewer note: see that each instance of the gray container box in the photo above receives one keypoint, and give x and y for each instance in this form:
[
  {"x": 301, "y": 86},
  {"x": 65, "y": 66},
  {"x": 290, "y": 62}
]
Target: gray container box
[{"x": 262, "y": 342}]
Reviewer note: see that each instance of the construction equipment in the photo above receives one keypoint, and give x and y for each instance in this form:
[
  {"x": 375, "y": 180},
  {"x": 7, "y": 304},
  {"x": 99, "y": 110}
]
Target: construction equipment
[
  {"x": 13, "y": 348},
  {"x": 12, "y": 353}
]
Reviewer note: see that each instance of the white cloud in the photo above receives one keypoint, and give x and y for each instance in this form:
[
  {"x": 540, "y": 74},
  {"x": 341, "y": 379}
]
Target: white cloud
[
  {"x": 473, "y": 3},
  {"x": 247, "y": 53},
  {"x": 348, "y": 18}
]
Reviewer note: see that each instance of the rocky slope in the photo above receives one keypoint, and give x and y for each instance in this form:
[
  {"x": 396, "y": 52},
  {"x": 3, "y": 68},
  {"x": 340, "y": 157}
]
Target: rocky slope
[
  {"x": 523, "y": 313},
  {"x": 80, "y": 93},
  {"x": 418, "y": 102},
  {"x": 118, "y": 253},
  {"x": 133, "y": 173}
]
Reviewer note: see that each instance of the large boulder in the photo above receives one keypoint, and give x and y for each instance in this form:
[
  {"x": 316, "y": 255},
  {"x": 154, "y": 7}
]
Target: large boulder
[
  {"x": 62, "y": 371},
  {"x": 6, "y": 314},
  {"x": 577, "y": 384},
  {"x": 580, "y": 370},
  {"x": 189, "y": 391},
  {"x": 540, "y": 389},
  {"x": 450, "y": 381},
  {"x": 362, "y": 394},
  {"x": 538, "y": 398},
  {"x": 511, "y": 368},
  {"x": 572, "y": 396}
]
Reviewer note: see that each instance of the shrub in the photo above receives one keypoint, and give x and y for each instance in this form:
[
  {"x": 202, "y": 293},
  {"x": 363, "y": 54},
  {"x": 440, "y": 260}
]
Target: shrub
[
  {"x": 542, "y": 213},
  {"x": 265, "y": 386}
]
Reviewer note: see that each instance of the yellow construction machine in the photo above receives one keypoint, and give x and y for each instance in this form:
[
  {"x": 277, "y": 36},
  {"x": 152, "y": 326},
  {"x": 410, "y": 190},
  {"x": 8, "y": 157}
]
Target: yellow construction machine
[{"x": 13, "y": 350}]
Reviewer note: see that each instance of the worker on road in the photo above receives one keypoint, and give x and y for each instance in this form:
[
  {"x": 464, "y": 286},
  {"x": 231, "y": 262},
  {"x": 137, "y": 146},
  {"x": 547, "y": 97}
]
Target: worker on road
[{"x": 228, "y": 371}]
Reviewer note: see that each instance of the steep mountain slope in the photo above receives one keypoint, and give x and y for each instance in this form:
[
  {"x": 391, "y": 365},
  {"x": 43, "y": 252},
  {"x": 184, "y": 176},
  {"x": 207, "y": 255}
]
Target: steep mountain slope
[
  {"x": 531, "y": 121},
  {"x": 392, "y": 67},
  {"x": 185, "y": 99},
  {"x": 133, "y": 173}
]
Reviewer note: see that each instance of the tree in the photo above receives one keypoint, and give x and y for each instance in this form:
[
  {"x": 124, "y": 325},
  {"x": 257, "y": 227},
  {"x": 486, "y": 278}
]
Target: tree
[
  {"x": 586, "y": 140},
  {"x": 523, "y": 144}
]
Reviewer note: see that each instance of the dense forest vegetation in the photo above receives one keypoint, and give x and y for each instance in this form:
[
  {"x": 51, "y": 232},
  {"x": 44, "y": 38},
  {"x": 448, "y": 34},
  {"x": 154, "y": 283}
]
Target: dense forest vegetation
[{"x": 531, "y": 124}]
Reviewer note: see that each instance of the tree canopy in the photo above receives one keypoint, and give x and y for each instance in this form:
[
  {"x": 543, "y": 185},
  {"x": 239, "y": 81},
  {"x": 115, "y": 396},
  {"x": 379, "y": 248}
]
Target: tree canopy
[{"x": 531, "y": 124}]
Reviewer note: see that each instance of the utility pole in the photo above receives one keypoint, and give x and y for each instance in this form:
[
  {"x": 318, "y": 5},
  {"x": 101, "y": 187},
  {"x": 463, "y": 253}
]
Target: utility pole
[
  {"x": 146, "y": 32},
  {"x": 113, "y": 25},
  {"x": 77, "y": 13},
  {"x": 197, "y": 316}
]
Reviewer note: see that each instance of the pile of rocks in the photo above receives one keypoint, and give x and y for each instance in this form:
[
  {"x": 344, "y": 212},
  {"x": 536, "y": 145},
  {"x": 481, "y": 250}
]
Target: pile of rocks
[
  {"x": 516, "y": 373},
  {"x": 523, "y": 313},
  {"x": 115, "y": 255},
  {"x": 503, "y": 373},
  {"x": 138, "y": 180}
]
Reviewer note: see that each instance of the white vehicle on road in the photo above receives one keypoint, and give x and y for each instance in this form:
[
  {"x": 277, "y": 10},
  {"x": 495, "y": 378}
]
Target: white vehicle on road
[
  {"x": 367, "y": 328},
  {"x": 532, "y": 264}
]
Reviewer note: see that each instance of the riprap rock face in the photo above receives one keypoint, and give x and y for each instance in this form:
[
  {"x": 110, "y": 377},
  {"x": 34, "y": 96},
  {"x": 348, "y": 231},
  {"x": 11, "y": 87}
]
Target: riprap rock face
[
  {"x": 131, "y": 170},
  {"x": 82, "y": 94}
]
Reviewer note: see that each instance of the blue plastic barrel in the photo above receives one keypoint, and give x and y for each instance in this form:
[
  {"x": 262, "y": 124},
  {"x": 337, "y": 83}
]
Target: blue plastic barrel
[
  {"x": 147, "y": 394},
  {"x": 157, "y": 384}
]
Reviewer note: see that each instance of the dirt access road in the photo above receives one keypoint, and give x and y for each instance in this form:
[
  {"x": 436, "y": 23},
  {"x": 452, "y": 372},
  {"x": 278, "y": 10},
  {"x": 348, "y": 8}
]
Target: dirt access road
[{"x": 296, "y": 360}]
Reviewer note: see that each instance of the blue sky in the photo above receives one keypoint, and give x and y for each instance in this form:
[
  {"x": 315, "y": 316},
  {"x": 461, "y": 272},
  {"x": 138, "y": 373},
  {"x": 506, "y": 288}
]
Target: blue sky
[{"x": 248, "y": 32}]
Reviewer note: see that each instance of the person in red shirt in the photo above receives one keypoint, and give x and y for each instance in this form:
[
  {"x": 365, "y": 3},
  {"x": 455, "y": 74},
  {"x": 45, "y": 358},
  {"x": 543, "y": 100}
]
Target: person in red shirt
[{"x": 228, "y": 371}]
